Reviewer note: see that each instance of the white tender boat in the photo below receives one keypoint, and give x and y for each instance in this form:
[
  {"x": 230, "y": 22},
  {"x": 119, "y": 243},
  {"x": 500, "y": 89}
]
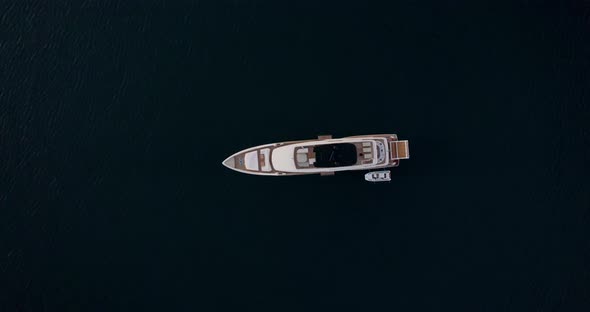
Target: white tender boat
[{"x": 378, "y": 176}]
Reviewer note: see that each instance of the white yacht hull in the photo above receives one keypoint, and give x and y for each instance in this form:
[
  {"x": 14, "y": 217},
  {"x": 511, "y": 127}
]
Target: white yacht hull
[{"x": 324, "y": 155}]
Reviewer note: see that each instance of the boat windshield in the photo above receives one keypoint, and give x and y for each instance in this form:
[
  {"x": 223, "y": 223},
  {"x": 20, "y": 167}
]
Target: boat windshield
[{"x": 335, "y": 155}]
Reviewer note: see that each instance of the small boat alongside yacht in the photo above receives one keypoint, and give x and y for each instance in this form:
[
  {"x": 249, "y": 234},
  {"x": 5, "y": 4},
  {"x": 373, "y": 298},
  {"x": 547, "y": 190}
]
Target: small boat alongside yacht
[{"x": 378, "y": 176}]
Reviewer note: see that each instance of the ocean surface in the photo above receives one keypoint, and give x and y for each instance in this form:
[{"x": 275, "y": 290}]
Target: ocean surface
[{"x": 115, "y": 117}]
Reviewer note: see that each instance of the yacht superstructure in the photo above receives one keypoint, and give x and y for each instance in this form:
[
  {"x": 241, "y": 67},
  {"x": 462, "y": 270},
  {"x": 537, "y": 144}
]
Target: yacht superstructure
[{"x": 324, "y": 155}]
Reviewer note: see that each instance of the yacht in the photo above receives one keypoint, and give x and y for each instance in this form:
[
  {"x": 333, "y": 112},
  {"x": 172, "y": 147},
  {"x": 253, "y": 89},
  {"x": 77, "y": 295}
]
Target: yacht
[{"x": 324, "y": 155}]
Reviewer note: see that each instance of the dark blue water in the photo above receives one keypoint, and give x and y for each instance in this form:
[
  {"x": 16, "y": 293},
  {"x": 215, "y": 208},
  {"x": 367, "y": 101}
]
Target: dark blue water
[{"x": 115, "y": 117}]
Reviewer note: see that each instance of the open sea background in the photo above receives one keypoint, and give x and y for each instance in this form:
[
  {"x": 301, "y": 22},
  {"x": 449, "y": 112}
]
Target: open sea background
[{"x": 115, "y": 117}]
